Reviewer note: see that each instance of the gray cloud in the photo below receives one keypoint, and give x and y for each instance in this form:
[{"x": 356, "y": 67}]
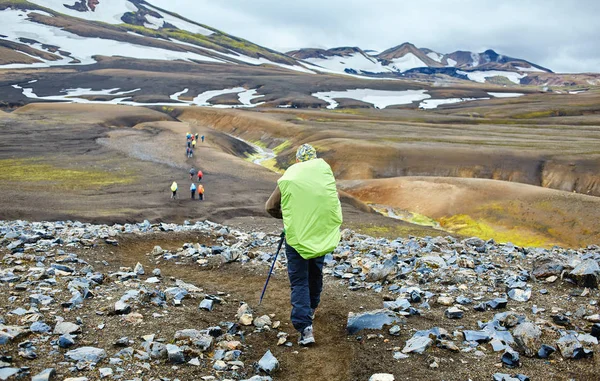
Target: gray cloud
[{"x": 560, "y": 35}]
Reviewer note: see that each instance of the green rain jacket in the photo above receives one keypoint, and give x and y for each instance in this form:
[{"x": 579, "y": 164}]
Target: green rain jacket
[{"x": 312, "y": 214}]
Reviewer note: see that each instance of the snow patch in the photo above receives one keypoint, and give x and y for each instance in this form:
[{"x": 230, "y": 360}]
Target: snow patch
[
  {"x": 245, "y": 97},
  {"x": 108, "y": 11},
  {"x": 481, "y": 76},
  {"x": 15, "y": 25},
  {"x": 476, "y": 58},
  {"x": 176, "y": 95},
  {"x": 429, "y": 104},
  {"x": 532, "y": 69},
  {"x": 577, "y": 91},
  {"x": 407, "y": 62},
  {"x": 451, "y": 62},
  {"x": 435, "y": 56},
  {"x": 355, "y": 61},
  {"x": 75, "y": 95},
  {"x": 378, "y": 98},
  {"x": 505, "y": 95},
  {"x": 175, "y": 21}
]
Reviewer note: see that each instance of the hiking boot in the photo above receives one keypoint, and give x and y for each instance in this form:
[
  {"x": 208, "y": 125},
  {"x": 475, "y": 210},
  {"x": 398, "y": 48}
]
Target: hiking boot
[
  {"x": 312, "y": 313},
  {"x": 306, "y": 336}
]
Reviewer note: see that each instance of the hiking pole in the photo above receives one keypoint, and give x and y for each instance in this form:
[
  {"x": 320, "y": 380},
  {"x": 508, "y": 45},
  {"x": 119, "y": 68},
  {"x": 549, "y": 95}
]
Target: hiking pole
[{"x": 272, "y": 267}]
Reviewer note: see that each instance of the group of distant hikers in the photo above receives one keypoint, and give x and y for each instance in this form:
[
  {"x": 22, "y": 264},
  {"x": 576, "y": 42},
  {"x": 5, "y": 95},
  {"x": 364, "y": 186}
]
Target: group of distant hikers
[{"x": 191, "y": 140}]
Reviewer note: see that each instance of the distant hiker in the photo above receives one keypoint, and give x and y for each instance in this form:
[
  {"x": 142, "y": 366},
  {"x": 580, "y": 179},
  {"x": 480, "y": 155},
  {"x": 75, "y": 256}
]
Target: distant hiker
[
  {"x": 193, "y": 143},
  {"x": 200, "y": 174},
  {"x": 189, "y": 144},
  {"x": 306, "y": 198},
  {"x": 202, "y": 138},
  {"x": 191, "y": 153},
  {"x": 187, "y": 151},
  {"x": 196, "y": 136},
  {"x": 192, "y": 173},
  {"x": 200, "y": 192},
  {"x": 174, "y": 190},
  {"x": 193, "y": 190},
  {"x": 188, "y": 136}
]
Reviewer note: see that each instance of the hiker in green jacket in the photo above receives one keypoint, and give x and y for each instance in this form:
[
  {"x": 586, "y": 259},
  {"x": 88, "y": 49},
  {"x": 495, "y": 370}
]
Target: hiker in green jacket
[{"x": 306, "y": 198}]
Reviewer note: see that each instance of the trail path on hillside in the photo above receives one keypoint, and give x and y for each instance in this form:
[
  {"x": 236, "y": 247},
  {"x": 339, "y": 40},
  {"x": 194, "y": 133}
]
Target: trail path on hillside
[{"x": 112, "y": 164}]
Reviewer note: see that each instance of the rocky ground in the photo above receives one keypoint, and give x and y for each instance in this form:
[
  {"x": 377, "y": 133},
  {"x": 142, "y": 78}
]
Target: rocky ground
[{"x": 164, "y": 301}]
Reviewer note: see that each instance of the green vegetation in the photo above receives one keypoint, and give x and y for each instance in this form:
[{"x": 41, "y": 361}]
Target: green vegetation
[
  {"x": 271, "y": 164},
  {"x": 217, "y": 41},
  {"x": 32, "y": 172},
  {"x": 277, "y": 150}
]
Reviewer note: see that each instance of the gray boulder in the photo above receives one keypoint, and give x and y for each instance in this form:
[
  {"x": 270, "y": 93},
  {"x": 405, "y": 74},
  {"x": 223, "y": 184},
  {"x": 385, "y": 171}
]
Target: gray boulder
[
  {"x": 175, "y": 354},
  {"x": 88, "y": 354},
  {"x": 45, "y": 375},
  {"x": 268, "y": 363},
  {"x": 586, "y": 274},
  {"x": 66, "y": 327},
  {"x": 527, "y": 337}
]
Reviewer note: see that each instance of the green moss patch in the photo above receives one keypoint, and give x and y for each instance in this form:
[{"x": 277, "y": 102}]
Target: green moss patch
[{"x": 34, "y": 173}]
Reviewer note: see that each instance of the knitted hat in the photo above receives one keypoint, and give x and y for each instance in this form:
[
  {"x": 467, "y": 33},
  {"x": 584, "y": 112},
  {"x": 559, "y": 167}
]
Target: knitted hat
[{"x": 306, "y": 152}]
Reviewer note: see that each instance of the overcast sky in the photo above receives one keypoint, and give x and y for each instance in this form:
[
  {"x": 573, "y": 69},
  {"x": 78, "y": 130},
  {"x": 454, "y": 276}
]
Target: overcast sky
[{"x": 561, "y": 35}]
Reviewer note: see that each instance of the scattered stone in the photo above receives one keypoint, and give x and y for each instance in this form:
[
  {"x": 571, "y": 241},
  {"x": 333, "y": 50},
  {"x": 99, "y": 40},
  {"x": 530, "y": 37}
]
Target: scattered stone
[
  {"x": 394, "y": 330},
  {"x": 508, "y": 377},
  {"x": 417, "y": 344},
  {"x": 268, "y": 363},
  {"x": 596, "y": 331},
  {"x": 568, "y": 345},
  {"x": 497, "y": 304},
  {"x": 122, "y": 308},
  {"x": 105, "y": 372},
  {"x": 206, "y": 304},
  {"x": 547, "y": 269},
  {"x": 175, "y": 354},
  {"x": 545, "y": 351},
  {"x": 6, "y": 373},
  {"x": 139, "y": 269},
  {"x": 88, "y": 354},
  {"x": 382, "y": 377},
  {"x": 220, "y": 366},
  {"x": 445, "y": 300},
  {"x": 520, "y": 295},
  {"x": 454, "y": 313},
  {"x": 510, "y": 359},
  {"x": 66, "y": 328},
  {"x": 40, "y": 327},
  {"x": 45, "y": 375},
  {"x": 66, "y": 341},
  {"x": 586, "y": 274},
  {"x": 527, "y": 337},
  {"x": 370, "y": 320},
  {"x": 262, "y": 321}
]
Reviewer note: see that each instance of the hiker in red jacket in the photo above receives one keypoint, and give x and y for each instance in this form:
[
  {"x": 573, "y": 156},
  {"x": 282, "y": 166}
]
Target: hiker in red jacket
[{"x": 200, "y": 174}]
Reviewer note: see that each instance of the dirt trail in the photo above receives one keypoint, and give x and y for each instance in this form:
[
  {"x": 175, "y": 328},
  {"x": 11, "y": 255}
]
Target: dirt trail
[{"x": 329, "y": 360}]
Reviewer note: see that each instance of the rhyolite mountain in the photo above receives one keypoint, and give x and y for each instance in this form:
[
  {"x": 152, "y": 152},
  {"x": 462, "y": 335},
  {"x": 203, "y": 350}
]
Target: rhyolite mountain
[{"x": 407, "y": 58}]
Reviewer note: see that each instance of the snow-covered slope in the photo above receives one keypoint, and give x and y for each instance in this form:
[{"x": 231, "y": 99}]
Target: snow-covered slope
[
  {"x": 407, "y": 59},
  {"x": 43, "y": 33}
]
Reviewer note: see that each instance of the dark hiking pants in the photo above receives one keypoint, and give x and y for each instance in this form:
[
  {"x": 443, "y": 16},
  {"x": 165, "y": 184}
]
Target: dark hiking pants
[{"x": 306, "y": 280}]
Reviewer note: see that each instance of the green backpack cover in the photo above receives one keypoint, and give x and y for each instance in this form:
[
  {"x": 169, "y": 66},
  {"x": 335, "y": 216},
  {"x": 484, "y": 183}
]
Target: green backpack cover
[{"x": 312, "y": 214}]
